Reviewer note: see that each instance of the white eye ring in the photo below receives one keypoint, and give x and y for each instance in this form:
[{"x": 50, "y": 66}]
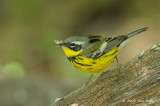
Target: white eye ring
[{"x": 72, "y": 46}]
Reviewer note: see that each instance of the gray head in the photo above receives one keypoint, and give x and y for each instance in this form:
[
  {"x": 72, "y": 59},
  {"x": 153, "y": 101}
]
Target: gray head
[{"x": 75, "y": 43}]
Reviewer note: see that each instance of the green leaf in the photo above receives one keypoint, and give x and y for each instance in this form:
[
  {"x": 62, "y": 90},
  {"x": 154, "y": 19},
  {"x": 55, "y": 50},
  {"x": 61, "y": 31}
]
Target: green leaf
[{"x": 14, "y": 69}]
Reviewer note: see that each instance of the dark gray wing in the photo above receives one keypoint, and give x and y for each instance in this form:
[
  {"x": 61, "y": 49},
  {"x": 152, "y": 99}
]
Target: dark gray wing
[
  {"x": 103, "y": 45},
  {"x": 92, "y": 45},
  {"x": 107, "y": 45},
  {"x": 113, "y": 42}
]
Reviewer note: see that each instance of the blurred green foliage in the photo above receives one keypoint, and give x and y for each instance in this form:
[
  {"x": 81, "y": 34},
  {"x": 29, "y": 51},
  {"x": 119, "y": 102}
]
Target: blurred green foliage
[{"x": 14, "y": 69}]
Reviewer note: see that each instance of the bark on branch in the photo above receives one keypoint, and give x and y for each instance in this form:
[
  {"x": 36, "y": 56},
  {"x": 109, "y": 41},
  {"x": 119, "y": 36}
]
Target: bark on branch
[{"x": 138, "y": 82}]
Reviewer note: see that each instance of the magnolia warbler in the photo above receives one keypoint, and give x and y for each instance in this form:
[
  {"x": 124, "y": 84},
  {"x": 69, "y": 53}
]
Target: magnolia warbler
[{"x": 93, "y": 53}]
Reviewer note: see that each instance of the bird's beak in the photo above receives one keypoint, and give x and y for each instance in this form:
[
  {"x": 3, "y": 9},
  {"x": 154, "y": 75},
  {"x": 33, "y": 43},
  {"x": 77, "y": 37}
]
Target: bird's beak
[{"x": 59, "y": 43}]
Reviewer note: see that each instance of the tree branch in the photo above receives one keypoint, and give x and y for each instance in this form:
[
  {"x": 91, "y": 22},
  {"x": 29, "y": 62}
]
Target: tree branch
[{"x": 138, "y": 82}]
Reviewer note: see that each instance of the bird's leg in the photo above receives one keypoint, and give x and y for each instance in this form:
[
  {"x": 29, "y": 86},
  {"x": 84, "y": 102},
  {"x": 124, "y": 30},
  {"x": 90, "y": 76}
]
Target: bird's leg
[
  {"x": 118, "y": 65},
  {"x": 86, "y": 83}
]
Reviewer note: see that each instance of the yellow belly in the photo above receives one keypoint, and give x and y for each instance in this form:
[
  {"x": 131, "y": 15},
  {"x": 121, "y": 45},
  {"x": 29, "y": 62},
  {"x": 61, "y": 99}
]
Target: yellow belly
[{"x": 95, "y": 65}]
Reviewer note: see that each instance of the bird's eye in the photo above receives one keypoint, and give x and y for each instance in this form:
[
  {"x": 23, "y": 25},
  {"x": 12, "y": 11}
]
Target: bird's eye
[{"x": 72, "y": 44}]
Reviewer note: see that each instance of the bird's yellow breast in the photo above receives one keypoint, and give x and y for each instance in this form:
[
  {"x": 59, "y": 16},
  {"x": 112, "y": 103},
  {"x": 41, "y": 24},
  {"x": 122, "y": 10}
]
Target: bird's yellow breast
[
  {"x": 69, "y": 52},
  {"x": 88, "y": 64}
]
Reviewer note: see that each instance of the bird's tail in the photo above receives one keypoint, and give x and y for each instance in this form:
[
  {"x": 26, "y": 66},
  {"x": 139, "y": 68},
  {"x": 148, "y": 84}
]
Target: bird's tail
[
  {"x": 131, "y": 35},
  {"x": 136, "y": 32}
]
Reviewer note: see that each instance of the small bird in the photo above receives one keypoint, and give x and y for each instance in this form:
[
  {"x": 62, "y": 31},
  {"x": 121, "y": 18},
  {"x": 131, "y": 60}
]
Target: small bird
[{"x": 93, "y": 53}]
